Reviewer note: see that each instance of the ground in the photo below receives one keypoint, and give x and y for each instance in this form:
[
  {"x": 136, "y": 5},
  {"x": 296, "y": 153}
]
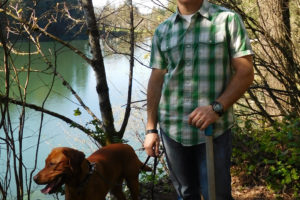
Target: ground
[
  {"x": 165, "y": 191},
  {"x": 240, "y": 192}
]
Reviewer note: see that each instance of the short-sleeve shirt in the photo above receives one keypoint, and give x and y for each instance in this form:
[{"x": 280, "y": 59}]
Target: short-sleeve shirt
[{"x": 197, "y": 59}]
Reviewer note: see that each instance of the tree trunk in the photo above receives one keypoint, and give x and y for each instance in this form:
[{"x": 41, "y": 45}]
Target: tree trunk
[
  {"x": 98, "y": 66},
  {"x": 275, "y": 19}
]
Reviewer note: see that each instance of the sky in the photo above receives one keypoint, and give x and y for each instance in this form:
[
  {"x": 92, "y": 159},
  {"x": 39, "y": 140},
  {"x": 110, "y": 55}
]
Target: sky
[
  {"x": 143, "y": 5},
  {"x": 100, "y": 3}
]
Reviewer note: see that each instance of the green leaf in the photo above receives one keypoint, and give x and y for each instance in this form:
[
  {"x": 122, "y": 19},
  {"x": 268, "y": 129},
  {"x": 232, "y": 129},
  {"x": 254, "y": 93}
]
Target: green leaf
[
  {"x": 290, "y": 135},
  {"x": 288, "y": 179},
  {"x": 77, "y": 112},
  {"x": 294, "y": 174}
]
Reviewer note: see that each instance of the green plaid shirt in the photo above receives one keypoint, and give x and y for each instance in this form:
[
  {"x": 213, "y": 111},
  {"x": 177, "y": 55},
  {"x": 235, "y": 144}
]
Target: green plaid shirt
[{"x": 197, "y": 58}]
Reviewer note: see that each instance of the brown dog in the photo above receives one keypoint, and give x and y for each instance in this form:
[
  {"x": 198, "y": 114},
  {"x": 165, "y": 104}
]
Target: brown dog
[{"x": 94, "y": 177}]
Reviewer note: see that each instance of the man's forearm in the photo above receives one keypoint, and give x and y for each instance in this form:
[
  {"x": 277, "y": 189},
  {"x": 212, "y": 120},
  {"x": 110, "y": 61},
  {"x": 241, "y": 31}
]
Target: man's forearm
[
  {"x": 203, "y": 116},
  {"x": 153, "y": 97},
  {"x": 151, "y": 142},
  {"x": 239, "y": 83}
]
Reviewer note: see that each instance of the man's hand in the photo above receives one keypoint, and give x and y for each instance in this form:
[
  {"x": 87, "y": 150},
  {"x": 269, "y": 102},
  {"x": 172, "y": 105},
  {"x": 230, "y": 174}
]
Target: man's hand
[
  {"x": 151, "y": 144},
  {"x": 156, "y": 80},
  {"x": 202, "y": 117}
]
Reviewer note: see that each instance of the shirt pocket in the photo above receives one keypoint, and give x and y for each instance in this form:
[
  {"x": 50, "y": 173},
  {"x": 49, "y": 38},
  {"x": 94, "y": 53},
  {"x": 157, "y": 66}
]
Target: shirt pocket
[
  {"x": 211, "y": 48},
  {"x": 172, "y": 51}
]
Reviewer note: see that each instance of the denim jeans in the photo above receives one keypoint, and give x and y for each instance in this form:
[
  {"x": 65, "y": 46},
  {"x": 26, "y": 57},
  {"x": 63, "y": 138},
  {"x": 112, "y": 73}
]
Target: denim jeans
[{"x": 187, "y": 165}]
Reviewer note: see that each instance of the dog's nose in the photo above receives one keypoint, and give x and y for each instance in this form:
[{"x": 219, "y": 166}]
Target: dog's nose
[{"x": 36, "y": 178}]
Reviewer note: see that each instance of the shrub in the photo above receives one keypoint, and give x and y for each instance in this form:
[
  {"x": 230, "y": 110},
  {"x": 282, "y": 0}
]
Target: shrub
[{"x": 269, "y": 156}]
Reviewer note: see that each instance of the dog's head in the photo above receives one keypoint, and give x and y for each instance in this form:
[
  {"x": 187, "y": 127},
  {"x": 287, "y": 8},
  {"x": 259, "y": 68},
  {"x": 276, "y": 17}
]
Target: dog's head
[{"x": 61, "y": 165}]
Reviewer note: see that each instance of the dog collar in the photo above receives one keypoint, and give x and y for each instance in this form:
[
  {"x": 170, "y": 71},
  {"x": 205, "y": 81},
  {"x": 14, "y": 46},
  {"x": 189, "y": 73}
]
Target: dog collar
[{"x": 92, "y": 167}]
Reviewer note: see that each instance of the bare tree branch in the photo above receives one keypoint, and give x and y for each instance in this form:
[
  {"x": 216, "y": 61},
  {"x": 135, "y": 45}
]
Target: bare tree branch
[
  {"x": 72, "y": 123},
  {"x": 35, "y": 27},
  {"x": 132, "y": 43}
]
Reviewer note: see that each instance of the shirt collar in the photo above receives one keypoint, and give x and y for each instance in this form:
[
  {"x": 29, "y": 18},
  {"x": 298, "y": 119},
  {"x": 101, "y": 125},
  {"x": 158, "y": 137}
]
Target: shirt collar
[{"x": 204, "y": 11}]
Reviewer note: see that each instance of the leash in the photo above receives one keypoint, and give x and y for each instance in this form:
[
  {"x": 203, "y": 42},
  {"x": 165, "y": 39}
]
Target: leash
[
  {"x": 145, "y": 163},
  {"x": 153, "y": 177},
  {"x": 153, "y": 173}
]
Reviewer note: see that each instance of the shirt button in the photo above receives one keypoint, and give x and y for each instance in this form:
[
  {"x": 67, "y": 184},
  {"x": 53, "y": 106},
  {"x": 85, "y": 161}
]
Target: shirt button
[
  {"x": 187, "y": 100},
  {"x": 188, "y": 62},
  {"x": 188, "y": 83}
]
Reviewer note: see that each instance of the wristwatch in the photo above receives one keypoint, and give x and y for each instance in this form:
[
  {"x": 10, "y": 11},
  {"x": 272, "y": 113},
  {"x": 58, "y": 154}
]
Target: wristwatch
[
  {"x": 151, "y": 131},
  {"x": 218, "y": 108}
]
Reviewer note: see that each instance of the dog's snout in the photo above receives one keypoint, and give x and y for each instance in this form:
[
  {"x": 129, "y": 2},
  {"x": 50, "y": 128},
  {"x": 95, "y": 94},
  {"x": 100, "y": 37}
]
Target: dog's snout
[{"x": 36, "y": 178}]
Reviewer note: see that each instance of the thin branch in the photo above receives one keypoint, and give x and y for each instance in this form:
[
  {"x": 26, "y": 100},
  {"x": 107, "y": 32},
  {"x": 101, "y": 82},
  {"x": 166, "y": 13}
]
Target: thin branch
[
  {"x": 129, "y": 95},
  {"x": 72, "y": 123},
  {"x": 36, "y": 27},
  {"x": 65, "y": 83},
  {"x": 3, "y": 4}
]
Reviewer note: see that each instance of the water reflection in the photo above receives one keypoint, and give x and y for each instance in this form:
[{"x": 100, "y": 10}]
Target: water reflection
[{"x": 81, "y": 77}]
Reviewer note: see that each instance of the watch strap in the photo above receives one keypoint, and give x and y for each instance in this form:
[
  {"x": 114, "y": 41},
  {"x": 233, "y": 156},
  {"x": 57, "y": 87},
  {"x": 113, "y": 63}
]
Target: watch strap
[{"x": 151, "y": 131}]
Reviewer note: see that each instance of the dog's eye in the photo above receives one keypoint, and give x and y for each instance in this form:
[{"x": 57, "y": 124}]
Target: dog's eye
[{"x": 51, "y": 164}]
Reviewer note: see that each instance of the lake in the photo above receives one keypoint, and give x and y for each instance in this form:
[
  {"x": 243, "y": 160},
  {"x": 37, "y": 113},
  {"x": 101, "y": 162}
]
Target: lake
[{"x": 81, "y": 77}]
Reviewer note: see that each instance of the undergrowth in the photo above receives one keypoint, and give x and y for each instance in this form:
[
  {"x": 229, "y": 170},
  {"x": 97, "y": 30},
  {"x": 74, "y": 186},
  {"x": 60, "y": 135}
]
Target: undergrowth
[{"x": 269, "y": 156}]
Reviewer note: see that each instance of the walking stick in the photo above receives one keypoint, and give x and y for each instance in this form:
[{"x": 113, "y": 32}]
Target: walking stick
[{"x": 210, "y": 163}]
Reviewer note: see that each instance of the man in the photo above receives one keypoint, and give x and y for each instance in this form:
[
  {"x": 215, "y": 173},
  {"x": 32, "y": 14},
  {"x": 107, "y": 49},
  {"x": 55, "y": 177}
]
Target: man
[{"x": 201, "y": 62}]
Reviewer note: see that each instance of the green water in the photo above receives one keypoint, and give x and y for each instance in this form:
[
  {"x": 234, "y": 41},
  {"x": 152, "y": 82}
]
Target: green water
[{"x": 81, "y": 77}]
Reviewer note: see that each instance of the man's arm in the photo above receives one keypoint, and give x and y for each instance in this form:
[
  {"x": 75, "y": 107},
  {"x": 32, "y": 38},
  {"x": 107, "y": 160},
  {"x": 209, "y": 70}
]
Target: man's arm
[
  {"x": 155, "y": 83},
  {"x": 203, "y": 116},
  {"x": 241, "y": 81}
]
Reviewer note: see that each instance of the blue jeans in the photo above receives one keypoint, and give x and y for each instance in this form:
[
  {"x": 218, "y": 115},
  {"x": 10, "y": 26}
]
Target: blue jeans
[{"x": 187, "y": 165}]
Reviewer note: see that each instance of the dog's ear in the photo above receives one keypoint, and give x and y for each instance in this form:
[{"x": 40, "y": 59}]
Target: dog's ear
[{"x": 75, "y": 158}]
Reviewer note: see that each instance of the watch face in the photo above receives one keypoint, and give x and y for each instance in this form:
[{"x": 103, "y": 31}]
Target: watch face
[{"x": 218, "y": 107}]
